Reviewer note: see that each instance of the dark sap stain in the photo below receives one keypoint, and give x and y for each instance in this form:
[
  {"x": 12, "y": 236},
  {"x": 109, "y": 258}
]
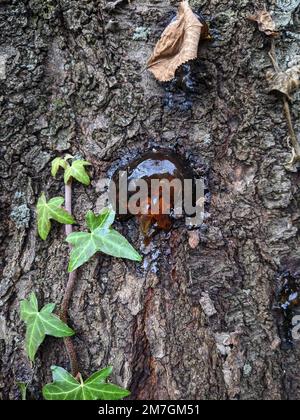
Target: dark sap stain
[
  {"x": 179, "y": 91},
  {"x": 189, "y": 80},
  {"x": 155, "y": 164},
  {"x": 288, "y": 306}
]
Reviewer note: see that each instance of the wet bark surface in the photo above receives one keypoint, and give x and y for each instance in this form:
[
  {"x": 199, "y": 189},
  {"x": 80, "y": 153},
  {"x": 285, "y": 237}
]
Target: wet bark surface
[{"x": 189, "y": 323}]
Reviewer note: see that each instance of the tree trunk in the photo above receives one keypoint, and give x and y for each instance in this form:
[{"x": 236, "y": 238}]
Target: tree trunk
[{"x": 188, "y": 323}]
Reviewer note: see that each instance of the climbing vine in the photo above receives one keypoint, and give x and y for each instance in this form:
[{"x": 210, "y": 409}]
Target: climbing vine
[{"x": 83, "y": 245}]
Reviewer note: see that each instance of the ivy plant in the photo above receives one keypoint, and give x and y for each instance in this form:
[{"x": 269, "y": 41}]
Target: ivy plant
[
  {"x": 40, "y": 323},
  {"x": 51, "y": 210},
  {"x": 100, "y": 238},
  {"x": 66, "y": 387},
  {"x": 83, "y": 245},
  {"x": 76, "y": 170}
]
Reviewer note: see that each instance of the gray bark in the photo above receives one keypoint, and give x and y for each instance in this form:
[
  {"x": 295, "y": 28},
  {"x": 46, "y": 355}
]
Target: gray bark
[{"x": 73, "y": 81}]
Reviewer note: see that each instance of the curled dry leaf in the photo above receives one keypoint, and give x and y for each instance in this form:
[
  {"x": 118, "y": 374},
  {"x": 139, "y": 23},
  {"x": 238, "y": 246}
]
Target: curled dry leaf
[
  {"x": 178, "y": 44},
  {"x": 293, "y": 164},
  {"x": 285, "y": 82},
  {"x": 265, "y": 22}
]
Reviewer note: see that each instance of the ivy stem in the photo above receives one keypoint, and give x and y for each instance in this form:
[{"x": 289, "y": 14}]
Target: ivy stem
[
  {"x": 69, "y": 289},
  {"x": 286, "y": 105}
]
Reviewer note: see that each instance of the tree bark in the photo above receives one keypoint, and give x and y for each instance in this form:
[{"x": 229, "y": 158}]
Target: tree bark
[{"x": 73, "y": 80}]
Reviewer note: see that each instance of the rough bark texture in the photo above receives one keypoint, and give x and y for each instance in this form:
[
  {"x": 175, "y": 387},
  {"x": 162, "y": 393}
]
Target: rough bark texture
[{"x": 190, "y": 323}]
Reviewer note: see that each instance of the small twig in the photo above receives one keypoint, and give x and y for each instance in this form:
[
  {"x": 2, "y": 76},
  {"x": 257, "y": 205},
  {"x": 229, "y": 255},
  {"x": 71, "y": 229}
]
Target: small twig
[
  {"x": 292, "y": 134},
  {"x": 287, "y": 110},
  {"x": 273, "y": 56},
  {"x": 69, "y": 289}
]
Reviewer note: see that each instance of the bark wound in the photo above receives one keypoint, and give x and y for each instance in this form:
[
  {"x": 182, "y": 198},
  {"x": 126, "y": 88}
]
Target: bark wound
[{"x": 144, "y": 379}]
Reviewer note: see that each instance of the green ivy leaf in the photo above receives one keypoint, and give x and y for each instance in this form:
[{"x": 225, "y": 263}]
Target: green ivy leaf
[
  {"x": 68, "y": 157},
  {"x": 40, "y": 323},
  {"x": 104, "y": 220},
  {"x": 112, "y": 243},
  {"x": 51, "y": 210},
  {"x": 23, "y": 390},
  {"x": 66, "y": 387},
  {"x": 101, "y": 238},
  {"x": 58, "y": 163},
  {"x": 78, "y": 172}
]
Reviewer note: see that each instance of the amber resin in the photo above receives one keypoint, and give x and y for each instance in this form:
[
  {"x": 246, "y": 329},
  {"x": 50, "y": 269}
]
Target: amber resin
[{"x": 160, "y": 165}]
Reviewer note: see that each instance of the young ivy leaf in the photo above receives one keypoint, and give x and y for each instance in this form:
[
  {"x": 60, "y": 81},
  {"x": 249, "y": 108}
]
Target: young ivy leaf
[
  {"x": 66, "y": 387},
  {"x": 78, "y": 172},
  {"x": 51, "y": 210},
  {"x": 101, "y": 238},
  {"x": 104, "y": 220},
  {"x": 40, "y": 323},
  {"x": 58, "y": 163},
  {"x": 68, "y": 157}
]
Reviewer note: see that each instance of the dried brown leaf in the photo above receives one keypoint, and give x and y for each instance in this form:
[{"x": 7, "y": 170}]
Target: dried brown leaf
[
  {"x": 265, "y": 22},
  {"x": 285, "y": 82},
  {"x": 178, "y": 44}
]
